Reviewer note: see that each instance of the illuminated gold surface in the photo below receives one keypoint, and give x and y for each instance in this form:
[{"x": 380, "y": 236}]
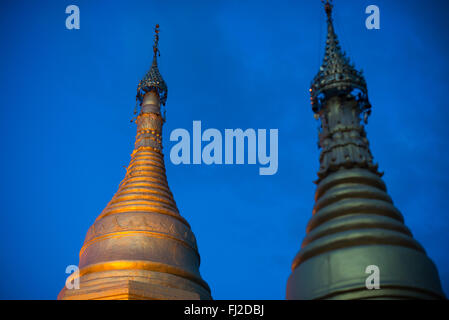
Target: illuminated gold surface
[{"x": 140, "y": 247}]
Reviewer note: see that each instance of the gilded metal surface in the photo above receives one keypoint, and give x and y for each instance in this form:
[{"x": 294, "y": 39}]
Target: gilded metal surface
[
  {"x": 140, "y": 247},
  {"x": 355, "y": 223}
]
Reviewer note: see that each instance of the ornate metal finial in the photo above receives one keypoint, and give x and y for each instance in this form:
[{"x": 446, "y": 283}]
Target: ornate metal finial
[
  {"x": 153, "y": 79},
  {"x": 328, "y": 7},
  {"x": 156, "y": 40},
  {"x": 337, "y": 75}
]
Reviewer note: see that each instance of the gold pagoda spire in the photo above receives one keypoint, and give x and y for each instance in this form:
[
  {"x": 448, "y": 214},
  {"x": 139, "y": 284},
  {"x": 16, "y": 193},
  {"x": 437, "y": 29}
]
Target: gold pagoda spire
[
  {"x": 355, "y": 226},
  {"x": 140, "y": 247}
]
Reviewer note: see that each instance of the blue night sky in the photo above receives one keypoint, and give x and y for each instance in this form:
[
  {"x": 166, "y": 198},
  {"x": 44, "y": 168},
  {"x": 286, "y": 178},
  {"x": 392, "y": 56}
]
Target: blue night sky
[{"x": 68, "y": 97}]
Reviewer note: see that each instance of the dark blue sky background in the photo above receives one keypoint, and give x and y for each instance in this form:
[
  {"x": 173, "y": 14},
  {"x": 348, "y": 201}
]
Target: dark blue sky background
[{"x": 67, "y": 97}]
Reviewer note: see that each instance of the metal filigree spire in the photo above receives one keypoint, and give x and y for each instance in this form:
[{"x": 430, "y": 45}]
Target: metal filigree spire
[
  {"x": 340, "y": 100},
  {"x": 337, "y": 75},
  {"x": 153, "y": 79}
]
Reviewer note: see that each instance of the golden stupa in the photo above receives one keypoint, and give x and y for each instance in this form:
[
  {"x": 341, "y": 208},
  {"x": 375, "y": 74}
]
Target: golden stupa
[
  {"x": 140, "y": 247},
  {"x": 356, "y": 235}
]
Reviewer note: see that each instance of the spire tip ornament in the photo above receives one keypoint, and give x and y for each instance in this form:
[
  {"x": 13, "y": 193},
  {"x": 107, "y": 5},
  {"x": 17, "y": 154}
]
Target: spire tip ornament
[
  {"x": 336, "y": 74},
  {"x": 339, "y": 98},
  {"x": 153, "y": 79},
  {"x": 328, "y": 7}
]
